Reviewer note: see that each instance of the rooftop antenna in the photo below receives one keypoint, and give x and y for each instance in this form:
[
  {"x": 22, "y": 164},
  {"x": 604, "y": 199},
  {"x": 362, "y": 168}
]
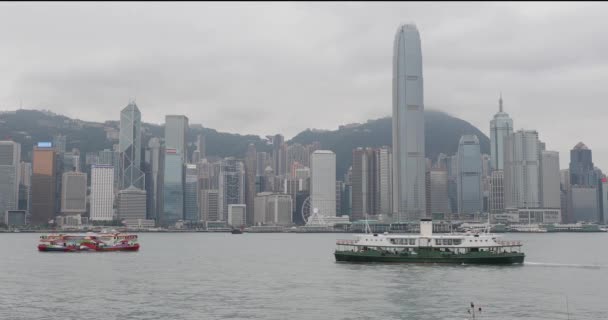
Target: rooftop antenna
[{"x": 500, "y": 103}]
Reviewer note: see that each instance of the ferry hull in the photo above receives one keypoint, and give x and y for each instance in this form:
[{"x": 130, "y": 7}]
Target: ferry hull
[{"x": 371, "y": 256}]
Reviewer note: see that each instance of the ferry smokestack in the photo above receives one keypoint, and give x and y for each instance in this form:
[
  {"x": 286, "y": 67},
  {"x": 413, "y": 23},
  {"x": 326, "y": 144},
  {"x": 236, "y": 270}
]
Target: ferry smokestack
[{"x": 426, "y": 227}]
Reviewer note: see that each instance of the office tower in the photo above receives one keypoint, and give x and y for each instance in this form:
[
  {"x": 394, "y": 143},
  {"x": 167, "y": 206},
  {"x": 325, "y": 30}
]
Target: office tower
[
  {"x": 70, "y": 161},
  {"x": 439, "y": 203},
  {"x": 231, "y": 185},
  {"x": 581, "y": 166},
  {"x": 297, "y": 153},
  {"x": 131, "y": 203},
  {"x": 173, "y": 188},
  {"x": 25, "y": 185},
  {"x": 236, "y": 215},
  {"x": 273, "y": 209},
  {"x": 191, "y": 210},
  {"x": 279, "y": 155},
  {"x": 74, "y": 193},
  {"x": 106, "y": 157},
  {"x": 129, "y": 146},
  {"x": 550, "y": 180},
  {"x": 176, "y": 134},
  {"x": 362, "y": 181},
  {"x": 384, "y": 180},
  {"x": 60, "y": 143},
  {"x": 521, "y": 174},
  {"x": 500, "y": 128},
  {"x": 262, "y": 159},
  {"x": 323, "y": 182},
  {"x": 209, "y": 203},
  {"x": 43, "y": 190},
  {"x": 409, "y": 199},
  {"x": 583, "y": 178},
  {"x": 497, "y": 192},
  {"x": 199, "y": 152},
  {"x": 250, "y": 175},
  {"x": 604, "y": 197},
  {"x": 10, "y": 172},
  {"x": 583, "y": 204},
  {"x": 154, "y": 160},
  {"x": 470, "y": 197},
  {"x": 102, "y": 192}
]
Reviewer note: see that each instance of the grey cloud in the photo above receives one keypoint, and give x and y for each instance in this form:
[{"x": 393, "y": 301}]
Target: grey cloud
[{"x": 264, "y": 68}]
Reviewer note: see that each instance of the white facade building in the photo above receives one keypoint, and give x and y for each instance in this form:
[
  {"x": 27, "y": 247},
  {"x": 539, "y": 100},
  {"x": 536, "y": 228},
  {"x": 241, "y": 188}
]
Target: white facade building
[
  {"x": 102, "y": 193},
  {"x": 323, "y": 182},
  {"x": 522, "y": 170},
  {"x": 236, "y": 215},
  {"x": 409, "y": 190}
]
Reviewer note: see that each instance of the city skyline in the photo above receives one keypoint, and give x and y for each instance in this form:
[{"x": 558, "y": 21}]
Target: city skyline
[{"x": 532, "y": 79}]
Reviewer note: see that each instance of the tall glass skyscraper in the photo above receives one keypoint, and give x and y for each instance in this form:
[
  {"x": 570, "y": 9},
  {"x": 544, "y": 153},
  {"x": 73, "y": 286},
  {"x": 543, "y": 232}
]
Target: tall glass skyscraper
[
  {"x": 173, "y": 188},
  {"x": 500, "y": 127},
  {"x": 470, "y": 196},
  {"x": 176, "y": 133},
  {"x": 409, "y": 191},
  {"x": 129, "y": 144},
  {"x": 191, "y": 210}
]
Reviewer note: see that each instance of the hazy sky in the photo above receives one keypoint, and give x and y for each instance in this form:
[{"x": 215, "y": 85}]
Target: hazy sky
[{"x": 264, "y": 68}]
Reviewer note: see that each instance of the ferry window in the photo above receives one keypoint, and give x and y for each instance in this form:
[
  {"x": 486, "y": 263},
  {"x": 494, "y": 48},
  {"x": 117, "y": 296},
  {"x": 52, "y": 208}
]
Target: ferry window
[
  {"x": 449, "y": 241},
  {"x": 412, "y": 241},
  {"x": 438, "y": 242},
  {"x": 457, "y": 242}
]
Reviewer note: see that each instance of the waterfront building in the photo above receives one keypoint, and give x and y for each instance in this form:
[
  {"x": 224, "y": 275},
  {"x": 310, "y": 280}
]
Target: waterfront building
[
  {"x": 470, "y": 196},
  {"x": 43, "y": 189},
  {"x": 10, "y": 175},
  {"x": 129, "y": 146},
  {"x": 409, "y": 190},
  {"x": 323, "y": 182},
  {"x": 176, "y": 134},
  {"x": 102, "y": 193},
  {"x": 74, "y": 193},
  {"x": 173, "y": 188},
  {"x": 500, "y": 128}
]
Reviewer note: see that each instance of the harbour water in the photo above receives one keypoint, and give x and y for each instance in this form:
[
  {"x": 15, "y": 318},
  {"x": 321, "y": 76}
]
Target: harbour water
[{"x": 295, "y": 276}]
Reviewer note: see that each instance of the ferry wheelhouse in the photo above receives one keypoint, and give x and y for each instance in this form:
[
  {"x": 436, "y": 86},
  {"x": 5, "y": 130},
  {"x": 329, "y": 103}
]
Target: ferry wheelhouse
[
  {"x": 460, "y": 248},
  {"x": 88, "y": 242}
]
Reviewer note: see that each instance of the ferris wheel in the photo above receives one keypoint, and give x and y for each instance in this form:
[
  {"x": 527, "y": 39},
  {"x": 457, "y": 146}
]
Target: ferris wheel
[{"x": 306, "y": 211}]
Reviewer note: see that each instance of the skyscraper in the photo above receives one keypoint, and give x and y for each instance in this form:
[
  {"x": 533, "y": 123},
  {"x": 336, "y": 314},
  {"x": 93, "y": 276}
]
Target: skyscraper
[
  {"x": 176, "y": 134},
  {"x": 323, "y": 182},
  {"x": 581, "y": 166},
  {"x": 439, "y": 203},
  {"x": 43, "y": 183},
  {"x": 550, "y": 179},
  {"x": 191, "y": 194},
  {"x": 409, "y": 200},
  {"x": 231, "y": 185},
  {"x": 522, "y": 172},
  {"x": 129, "y": 146},
  {"x": 131, "y": 204},
  {"x": 173, "y": 188},
  {"x": 74, "y": 193},
  {"x": 279, "y": 155},
  {"x": 102, "y": 192},
  {"x": 59, "y": 143},
  {"x": 10, "y": 157},
  {"x": 470, "y": 196},
  {"x": 500, "y": 127},
  {"x": 154, "y": 159},
  {"x": 250, "y": 174}
]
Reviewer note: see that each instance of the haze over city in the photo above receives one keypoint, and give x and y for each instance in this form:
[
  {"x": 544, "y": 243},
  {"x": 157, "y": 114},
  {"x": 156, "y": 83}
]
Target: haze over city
[{"x": 261, "y": 68}]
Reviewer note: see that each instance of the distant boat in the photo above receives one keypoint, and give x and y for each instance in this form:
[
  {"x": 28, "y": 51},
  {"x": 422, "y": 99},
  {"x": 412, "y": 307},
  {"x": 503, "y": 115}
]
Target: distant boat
[{"x": 236, "y": 231}]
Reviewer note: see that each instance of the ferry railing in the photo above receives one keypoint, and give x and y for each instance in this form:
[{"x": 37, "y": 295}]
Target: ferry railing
[
  {"x": 346, "y": 242},
  {"x": 513, "y": 243}
]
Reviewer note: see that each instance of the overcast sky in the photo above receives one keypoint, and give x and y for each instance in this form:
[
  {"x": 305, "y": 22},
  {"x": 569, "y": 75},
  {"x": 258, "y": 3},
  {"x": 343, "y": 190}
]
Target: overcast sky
[{"x": 264, "y": 68}]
